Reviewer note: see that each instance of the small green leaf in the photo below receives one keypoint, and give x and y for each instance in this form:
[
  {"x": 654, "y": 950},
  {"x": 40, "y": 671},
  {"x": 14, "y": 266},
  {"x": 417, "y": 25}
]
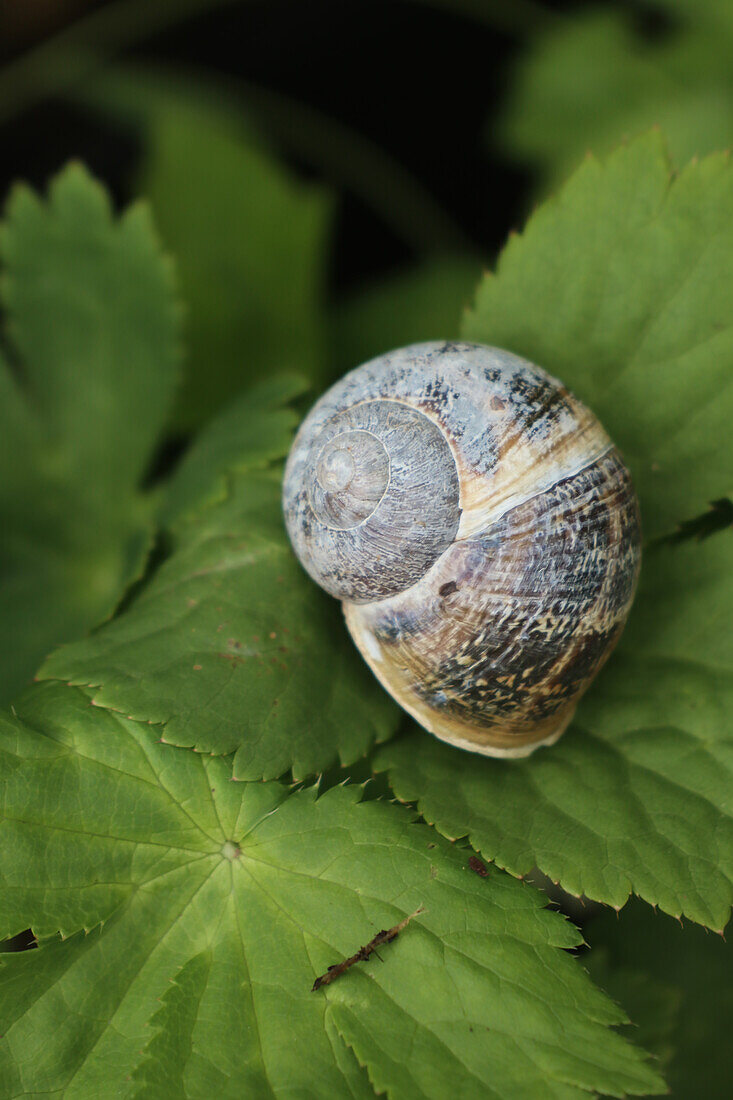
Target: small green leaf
[
  {"x": 622, "y": 287},
  {"x": 240, "y": 894},
  {"x": 677, "y": 986},
  {"x": 92, "y": 327},
  {"x": 254, "y": 430},
  {"x": 232, "y": 648},
  {"x": 637, "y": 795},
  {"x": 91, "y": 317}
]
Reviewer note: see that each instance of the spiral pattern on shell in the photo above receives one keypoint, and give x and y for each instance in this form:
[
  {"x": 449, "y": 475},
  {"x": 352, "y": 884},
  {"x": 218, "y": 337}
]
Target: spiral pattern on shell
[{"x": 481, "y": 530}]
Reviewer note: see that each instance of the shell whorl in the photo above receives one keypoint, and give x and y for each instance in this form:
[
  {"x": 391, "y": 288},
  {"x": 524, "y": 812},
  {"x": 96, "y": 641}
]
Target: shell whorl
[
  {"x": 481, "y": 530},
  {"x": 371, "y": 499}
]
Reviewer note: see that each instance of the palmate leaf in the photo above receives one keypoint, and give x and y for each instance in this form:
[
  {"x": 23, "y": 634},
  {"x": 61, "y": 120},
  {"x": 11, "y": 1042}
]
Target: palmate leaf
[
  {"x": 622, "y": 286},
  {"x": 158, "y": 869},
  {"x": 231, "y": 648},
  {"x": 92, "y": 335},
  {"x": 677, "y": 985}
]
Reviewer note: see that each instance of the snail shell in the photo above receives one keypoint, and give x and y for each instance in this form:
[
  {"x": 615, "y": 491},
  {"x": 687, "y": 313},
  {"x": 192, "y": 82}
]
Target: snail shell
[{"x": 481, "y": 530}]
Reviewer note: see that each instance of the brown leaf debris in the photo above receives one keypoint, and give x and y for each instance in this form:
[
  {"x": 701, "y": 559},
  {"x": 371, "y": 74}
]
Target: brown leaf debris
[{"x": 385, "y": 936}]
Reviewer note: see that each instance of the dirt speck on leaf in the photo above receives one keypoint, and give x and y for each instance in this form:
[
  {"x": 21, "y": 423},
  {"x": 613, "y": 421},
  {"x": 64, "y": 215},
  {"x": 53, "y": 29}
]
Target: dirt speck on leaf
[{"x": 477, "y": 866}]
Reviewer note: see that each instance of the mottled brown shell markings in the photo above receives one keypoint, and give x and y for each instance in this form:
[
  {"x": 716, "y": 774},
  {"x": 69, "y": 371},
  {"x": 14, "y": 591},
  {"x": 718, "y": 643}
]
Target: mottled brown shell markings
[{"x": 492, "y": 569}]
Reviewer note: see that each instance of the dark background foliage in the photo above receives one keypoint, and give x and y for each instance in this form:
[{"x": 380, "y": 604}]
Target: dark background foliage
[
  {"x": 419, "y": 81},
  {"x": 424, "y": 84}
]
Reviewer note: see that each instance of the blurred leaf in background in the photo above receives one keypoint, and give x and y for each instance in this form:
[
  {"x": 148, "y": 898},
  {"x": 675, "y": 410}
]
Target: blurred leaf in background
[
  {"x": 595, "y": 78},
  {"x": 87, "y": 382},
  {"x": 421, "y": 303},
  {"x": 253, "y": 242},
  {"x": 676, "y": 984},
  {"x": 250, "y": 239}
]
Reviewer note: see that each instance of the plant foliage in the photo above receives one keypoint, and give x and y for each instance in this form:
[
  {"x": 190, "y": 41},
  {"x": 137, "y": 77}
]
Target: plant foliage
[
  {"x": 194, "y": 914},
  {"x": 676, "y": 983},
  {"x": 249, "y": 238},
  {"x": 91, "y": 347},
  {"x": 185, "y": 901},
  {"x": 230, "y": 649}
]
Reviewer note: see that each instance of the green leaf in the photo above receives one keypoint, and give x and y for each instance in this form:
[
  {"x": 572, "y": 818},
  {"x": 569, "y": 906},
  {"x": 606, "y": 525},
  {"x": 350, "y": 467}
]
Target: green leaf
[
  {"x": 232, "y": 648},
  {"x": 254, "y": 430},
  {"x": 250, "y": 239},
  {"x": 162, "y": 1071},
  {"x": 240, "y": 894},
  {"x": 421, "y": 303},
  {"x": 593, "y": 80},
  {"x": 92, "y": 333},
  {"x": 637, "y": 795},
  {"x": 622, "y": 286},
  {"x": 643, "y": 951}
]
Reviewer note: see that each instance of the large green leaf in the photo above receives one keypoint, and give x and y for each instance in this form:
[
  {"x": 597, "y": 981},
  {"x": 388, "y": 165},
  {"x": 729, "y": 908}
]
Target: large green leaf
[
  {"x": 622, "y": 286},
  {"x": 249, "y": 238},
  {"x": 593, "y": 80},
  {"x": 158, "y": 869},
  {"x": 677, "y": 986},
  {"x": 638, "y": 794},
  {"x": 232, "y": 647},
  {"x": 92, "y": 335}
]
